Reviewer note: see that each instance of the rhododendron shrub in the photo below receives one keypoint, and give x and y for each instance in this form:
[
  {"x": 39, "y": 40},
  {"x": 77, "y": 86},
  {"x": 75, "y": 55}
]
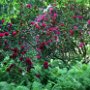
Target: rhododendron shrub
[
  {"x": 60, "y": 34},
  {"x": 40, "y": 35}
]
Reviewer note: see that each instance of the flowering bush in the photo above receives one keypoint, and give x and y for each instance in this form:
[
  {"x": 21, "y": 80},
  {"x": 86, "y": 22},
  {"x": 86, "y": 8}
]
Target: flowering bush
[{"x": 42, "y": 38}]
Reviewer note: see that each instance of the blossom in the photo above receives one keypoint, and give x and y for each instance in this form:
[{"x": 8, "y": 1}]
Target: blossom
[
  {"x": 28, "y": 5},
  {"x": 6, "y": 33},
  {"x": 88, "y": 22},
  {"x": 89, "y": 32},
  {"x": 53, "y": 28},
  {"x": 14, "y": 55},
  {"x": 37, "y": 26},
  {"x": 81, "y": 44},
  {"x": 80, "y": 17},
  {"x": 44, "y": 24},
  {"x": 10, "y": 25},
  {"x": 51, "y": 10},
  {"x": 71, "y": 32},
  {"x": 29, "y": 62},
  {"x": 2, "y": 34},
  {"x": 62, "y": 24},
  {"x": 55, "y": 15},
  {"x": 14, "y": 33},
  {"x": 21, "y": 58},
  {"x": 49, "y": 41},
  {"x": 40, "y": 17},
  {"x": 3, "y": 21},
  {"x": 45, "y": 65},
  {"x": 15, "y": 50},
  {"x": 75, "y": 27},
  {"x": 22, "y": 47},
  {"x": 56, "y": 38},
  {"x": 41, "y": 46},
  {"x": 38, "y": 56},
  {"x": 32, "y": 23},
  {"x": 24, "y": 52},
  {"x": 57, "y": 32}
]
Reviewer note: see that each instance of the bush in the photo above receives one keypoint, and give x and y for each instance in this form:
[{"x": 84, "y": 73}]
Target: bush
[
  {"x": 43, "y": 42},
  {"x": 76, "y": 78}
]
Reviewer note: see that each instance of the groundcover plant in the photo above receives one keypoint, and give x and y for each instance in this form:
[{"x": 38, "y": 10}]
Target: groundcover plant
[{"x": 44, "y": 44}]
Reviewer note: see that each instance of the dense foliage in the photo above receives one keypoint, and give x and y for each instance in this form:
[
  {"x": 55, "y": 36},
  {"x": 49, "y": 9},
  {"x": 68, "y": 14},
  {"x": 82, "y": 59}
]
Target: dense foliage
[
  {"x": 42, "y": 41},
  {"x": 76, "y": 78}
]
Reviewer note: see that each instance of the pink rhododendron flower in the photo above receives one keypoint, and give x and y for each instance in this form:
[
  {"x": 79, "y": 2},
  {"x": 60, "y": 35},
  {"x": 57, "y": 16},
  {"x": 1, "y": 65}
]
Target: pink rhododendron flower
[
  {"x": 3, "y": 21},
  {"x": 49, "y": 41},
  {"x": 37, "y": 26},
  {"x": 44, "y": 24},
  {"x": 88, "y": 22},
  {"x": 28, "y": 5},
  {"x": 81, "y": 44},
  {"x": 38, "y": 56},
  {"x": 71, "y": 32},
  {"x": 53, "y": 28},
  {"x": 6, "y": 33},
  {"x": 80, "y": 17},
  {"x": 75, "y": 27},
  {"x": 2, "y": 34},
  {"x": 89, "y": 32},
  {"x": 40, "y": 17},
  {"x": 56, "y": 38},
  {"x": 38, "y": 49},
  {"x": 55, "y": 15},
  {"x": 50, "y": 10},
  {"x": 15, "y": 50},
  {"x": 62, "y": 24},
  {"x": 32, "y": 23},
  {"x": 57, "y": 32},
  {"x": 14, "y": 33}
]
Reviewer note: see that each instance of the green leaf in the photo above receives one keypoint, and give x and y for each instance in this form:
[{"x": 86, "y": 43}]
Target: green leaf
[
  {"x": 36, "y": 86},
  {"x": 21, "y": 88}
]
